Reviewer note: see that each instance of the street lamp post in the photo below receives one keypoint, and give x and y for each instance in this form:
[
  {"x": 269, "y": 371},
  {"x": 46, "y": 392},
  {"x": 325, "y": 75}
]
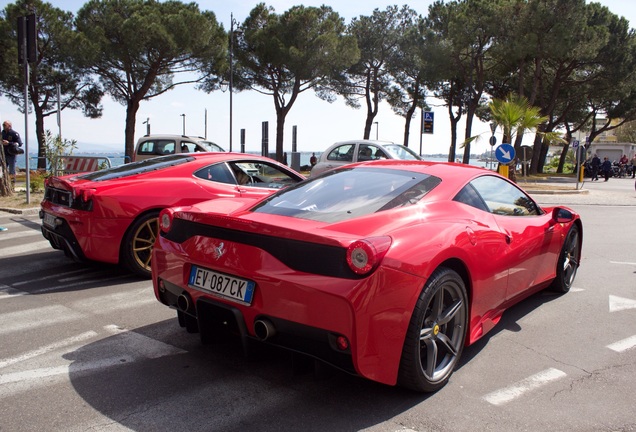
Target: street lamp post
[
  {"x": 232, "y": 22},
  {"x": 183, "y": 115},
  {"x": 377, "y": 127}
]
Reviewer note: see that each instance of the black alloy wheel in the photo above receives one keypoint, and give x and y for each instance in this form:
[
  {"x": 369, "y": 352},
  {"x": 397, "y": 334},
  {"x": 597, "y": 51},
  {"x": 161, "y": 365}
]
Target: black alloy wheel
[{"x": 436, "y": 334}]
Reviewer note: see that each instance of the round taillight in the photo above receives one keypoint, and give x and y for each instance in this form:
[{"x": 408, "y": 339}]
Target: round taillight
[
  {"x": 87, "y": 194},
  {"x": 165, "y": 220},
  {"x": 364, "y": 255}
]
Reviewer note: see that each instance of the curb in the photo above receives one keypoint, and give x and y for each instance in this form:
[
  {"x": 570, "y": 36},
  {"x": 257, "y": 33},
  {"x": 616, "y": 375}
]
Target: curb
[
  {"x": 26, "y": 211},
  {"x": 558, "y": 192}
]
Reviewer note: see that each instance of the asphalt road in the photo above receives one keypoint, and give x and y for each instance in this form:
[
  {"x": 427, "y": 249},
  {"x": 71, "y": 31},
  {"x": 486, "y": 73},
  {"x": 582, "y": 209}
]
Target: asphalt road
[{"x": 87, "y": 347}]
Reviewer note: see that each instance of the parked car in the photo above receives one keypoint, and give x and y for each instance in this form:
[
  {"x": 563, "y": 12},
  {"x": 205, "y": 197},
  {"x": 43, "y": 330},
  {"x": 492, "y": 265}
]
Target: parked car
[
  {"x": 345, "y": 152},
  {"x": 149, "y": 146},
  {"x": 384, "y": 269},
  {"x": 111, "y": 215}
]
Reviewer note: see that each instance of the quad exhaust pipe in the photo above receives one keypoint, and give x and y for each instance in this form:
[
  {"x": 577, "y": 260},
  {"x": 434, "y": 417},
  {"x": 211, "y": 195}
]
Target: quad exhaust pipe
[{"x": 264, "y": 329}]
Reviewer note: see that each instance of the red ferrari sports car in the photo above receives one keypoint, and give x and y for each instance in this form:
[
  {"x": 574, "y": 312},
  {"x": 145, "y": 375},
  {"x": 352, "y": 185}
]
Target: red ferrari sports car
[
  {"x": 385, "y": 269},
  {"x": 111, "y": 215}
]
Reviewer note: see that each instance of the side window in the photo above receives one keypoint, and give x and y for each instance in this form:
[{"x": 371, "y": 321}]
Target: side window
[
  {"x": 366, "y": 152},
  {"x": 380, "y": 154},
  {"x": 167, "y": 147},
  {"x": 343, "y": 153},
  {"x": 146, "y": 148},
  {"x": 504, "y": 198},
  {"x": 156, "y": 147},
  {"x": 469, "y": 196},
  {"x": 261, "y": 174},
  {"x": 188, "y": 147},
  {"x": 217, "y": 173}
]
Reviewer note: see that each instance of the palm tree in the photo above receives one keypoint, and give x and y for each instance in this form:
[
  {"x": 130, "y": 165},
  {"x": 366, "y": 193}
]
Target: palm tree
[{"x": 515, "y": 116}]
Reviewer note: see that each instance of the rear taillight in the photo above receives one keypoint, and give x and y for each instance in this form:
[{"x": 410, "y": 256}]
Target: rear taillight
[
  {"x": 87, "y": 194},
  {"x": 363, "y": 256},
  {"x": 165, "y": 219},
  {"x": 82, "y": 199}
]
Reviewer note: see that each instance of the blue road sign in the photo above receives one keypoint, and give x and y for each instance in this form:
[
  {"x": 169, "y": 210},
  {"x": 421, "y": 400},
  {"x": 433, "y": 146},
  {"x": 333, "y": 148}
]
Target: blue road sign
[
  {"x": 427, "y": 121},
  {"x": 505, "y": 153}
]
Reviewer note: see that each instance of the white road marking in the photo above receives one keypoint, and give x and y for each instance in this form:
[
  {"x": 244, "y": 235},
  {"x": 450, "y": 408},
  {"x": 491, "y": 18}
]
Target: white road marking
[
  {"x": 83, "y": 282},
  {"x": 47, "y": 348},
  {"x": 619, "y": 303},
  {"x": 148, "y": 347},
  {"x": 20, "y": 234},
  {"x": 36, "y": 374},
  {"x": 9, "y": 292},
  {"x": 118, "y": 301},
  {"x": 26, "y": 248},
  {"x": 623, "y": 262},
  {"x": 514, "y": 391},
  {"x": 34, "y": 318},
  {"x": 623, "y": 345},
  {"x": 43, "y": 278}
]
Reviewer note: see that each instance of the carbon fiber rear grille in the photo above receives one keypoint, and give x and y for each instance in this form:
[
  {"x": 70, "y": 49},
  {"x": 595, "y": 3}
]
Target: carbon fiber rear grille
[
  {"x": 301, "y": 256},
  {"x": 58, "y": 196}
]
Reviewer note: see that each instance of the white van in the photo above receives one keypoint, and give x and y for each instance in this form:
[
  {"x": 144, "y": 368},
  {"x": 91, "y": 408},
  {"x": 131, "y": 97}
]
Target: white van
[{"x": 150, "y": 146}]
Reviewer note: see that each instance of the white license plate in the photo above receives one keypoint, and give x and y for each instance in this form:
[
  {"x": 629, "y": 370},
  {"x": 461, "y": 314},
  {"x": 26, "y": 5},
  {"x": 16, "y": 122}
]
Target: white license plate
[
  {"x": 49, "y": 220},
  {"x": 221, "y": 284}
]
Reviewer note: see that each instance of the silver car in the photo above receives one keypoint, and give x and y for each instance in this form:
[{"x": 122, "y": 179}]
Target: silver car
[
  {"x": 346, "y": 152},
  {"x": 149, "y": 146}
]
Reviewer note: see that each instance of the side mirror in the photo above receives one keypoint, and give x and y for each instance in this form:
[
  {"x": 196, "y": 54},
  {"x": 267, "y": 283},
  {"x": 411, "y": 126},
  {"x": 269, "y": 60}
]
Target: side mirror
[{"x": 561, "y": 215}]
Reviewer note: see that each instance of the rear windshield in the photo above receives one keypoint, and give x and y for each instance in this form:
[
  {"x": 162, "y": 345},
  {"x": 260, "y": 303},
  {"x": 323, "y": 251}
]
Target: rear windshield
[
  {"x": 135, "y": 168},
  {"x": 400, "y": 152},
  {"x": 349, "y": 193}
]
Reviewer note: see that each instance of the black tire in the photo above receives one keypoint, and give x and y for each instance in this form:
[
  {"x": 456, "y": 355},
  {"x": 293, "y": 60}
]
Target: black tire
[
  {"x": 138, "y": 242},
  {"x": 437, "y": 332},
  {"x": 569, "y": 261}
]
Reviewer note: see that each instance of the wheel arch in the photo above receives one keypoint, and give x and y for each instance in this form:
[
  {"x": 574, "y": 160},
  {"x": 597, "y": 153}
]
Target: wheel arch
[
  {"x": 122, "y": 242},
  {"x": 459, "y": 267}
]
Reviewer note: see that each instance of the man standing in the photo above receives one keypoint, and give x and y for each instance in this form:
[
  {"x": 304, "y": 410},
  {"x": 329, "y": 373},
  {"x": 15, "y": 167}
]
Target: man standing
[
  {"x": 606, "y": 167},
  {"x": 9, "y": 136},
  {"x": 596, "y": 164}
]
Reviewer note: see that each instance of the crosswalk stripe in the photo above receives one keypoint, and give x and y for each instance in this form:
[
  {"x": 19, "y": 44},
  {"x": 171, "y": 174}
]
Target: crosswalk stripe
[
  {"x": 47, "y": 348},
  {"x": 21, "y": 234},
  {"x": 108, "y": 303},
  {"x": 26, "y": 248},
  {"x": 514, "y": 391},
  {"x": 82, "y": 282},
  {"x": 9, "y": 292},
  {"x": 623, "y": 345},
  {"x": 48, "y": 277},
  {"x": 38, "y": 317},
  {"x": 36, "y": 374}
]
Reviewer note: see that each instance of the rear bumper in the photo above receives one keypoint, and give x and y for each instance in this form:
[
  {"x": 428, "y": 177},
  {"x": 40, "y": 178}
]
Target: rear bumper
[
  {"x": 217, "y": 320},
  {"x": 62, "y": 237}
]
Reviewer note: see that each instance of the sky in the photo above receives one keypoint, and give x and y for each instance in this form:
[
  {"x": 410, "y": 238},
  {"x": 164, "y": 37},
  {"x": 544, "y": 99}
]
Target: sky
[{"x": 319, "y": 124}]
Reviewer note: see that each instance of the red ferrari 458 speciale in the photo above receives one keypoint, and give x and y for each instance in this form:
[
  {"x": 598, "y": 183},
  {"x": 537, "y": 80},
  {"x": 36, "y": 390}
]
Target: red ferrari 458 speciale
[{"x": 385, "y": 269}]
